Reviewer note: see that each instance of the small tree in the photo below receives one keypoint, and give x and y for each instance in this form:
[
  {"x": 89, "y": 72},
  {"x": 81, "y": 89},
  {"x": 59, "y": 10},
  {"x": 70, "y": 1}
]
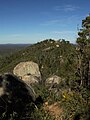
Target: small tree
[{"x": 83, "y": 42}]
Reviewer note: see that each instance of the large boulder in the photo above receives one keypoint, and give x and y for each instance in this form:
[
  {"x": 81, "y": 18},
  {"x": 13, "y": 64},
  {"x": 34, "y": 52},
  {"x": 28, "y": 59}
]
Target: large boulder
[
  {"x": 16, "y": 97},
  {"x": 28, "y": 71}
]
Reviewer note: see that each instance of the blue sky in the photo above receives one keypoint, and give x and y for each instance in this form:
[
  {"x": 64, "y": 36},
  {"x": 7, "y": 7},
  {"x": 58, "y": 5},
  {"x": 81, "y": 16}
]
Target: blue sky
[{"x": 30, "y": 21}]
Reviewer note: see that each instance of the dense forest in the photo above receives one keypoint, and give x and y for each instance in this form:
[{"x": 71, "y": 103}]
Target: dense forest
[{"x": 69, "y": 61}]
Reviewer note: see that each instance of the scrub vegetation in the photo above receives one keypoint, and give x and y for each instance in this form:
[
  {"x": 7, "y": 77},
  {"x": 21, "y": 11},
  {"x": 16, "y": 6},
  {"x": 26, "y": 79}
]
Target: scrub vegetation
[{"x": 69, "y": 61}]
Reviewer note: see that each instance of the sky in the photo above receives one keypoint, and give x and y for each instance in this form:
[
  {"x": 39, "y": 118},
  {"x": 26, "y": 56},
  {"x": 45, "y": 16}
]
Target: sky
[{"x": 31, "y": 21}]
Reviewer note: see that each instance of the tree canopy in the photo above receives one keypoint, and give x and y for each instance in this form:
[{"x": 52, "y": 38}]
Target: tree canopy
[{"x": 84, "y": 51}]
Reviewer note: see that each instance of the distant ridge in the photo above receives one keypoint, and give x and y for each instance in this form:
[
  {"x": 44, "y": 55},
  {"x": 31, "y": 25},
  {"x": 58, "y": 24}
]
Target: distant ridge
[{"x": 8, "y": 48}]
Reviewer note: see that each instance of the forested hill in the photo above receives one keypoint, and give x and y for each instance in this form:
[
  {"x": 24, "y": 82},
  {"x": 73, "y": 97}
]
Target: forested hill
[
  {"x": 6, "y": 49},
  {"x": 53, "y": 57}
]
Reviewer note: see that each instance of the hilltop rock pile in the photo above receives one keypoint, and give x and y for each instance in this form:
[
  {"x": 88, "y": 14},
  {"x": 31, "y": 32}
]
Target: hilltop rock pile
[{"x": 29, "y": 72}]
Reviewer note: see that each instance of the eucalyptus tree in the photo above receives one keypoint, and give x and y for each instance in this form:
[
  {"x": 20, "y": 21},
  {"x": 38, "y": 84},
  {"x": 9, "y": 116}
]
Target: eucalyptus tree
[{"x": 83, "y": 42}]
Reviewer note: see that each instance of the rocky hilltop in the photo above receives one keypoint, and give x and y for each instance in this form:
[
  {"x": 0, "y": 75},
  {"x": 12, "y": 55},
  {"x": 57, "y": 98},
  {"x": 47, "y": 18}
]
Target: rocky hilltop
[{"x": 52, "y": 57}]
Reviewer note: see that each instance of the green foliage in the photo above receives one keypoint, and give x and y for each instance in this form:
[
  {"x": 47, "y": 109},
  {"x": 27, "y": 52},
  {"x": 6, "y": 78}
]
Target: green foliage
[
  {"x": 41, "y": 115},
  {"x": 53, "y": 57},
  {"x": 58, "y": 58},
  {"x": 84, "y": 52},
  {"x": 75, "y": 103},
  {"x": 37, "y": 114}
]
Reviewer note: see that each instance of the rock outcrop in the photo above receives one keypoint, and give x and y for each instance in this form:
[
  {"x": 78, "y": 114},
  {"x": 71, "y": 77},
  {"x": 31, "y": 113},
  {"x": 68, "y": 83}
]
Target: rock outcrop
[
  {"x": 53, "y": 85},
  {"x": 16, "y": 97},
  {"x": 53, "y": 81},
  {"x": 30, "y": 79},
  {"x": 28, "y": 71}
]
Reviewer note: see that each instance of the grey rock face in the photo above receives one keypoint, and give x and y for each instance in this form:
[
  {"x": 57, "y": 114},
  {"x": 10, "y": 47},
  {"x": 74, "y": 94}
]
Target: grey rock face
[
  {"x": 15, "y": 96},
  {"x": 10, "y": 84}
]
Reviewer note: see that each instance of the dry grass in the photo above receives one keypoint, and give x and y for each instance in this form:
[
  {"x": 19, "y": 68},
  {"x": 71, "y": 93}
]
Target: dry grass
[{"x": 54, "y": 110}]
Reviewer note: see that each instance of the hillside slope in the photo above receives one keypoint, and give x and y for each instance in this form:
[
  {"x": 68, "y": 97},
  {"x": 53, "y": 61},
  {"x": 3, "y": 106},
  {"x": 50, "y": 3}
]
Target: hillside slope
[{"x": 53, "y": 57}]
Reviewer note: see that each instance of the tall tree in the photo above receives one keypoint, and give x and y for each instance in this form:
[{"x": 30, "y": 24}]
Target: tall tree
[{"x": 83, "y": 42}]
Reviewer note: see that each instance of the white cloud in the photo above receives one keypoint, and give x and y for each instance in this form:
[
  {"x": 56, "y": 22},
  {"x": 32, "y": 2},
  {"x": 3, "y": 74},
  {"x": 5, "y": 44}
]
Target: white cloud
[
  {"x": 63, "y": 21},
  {"x": 64, "y": 32},
  {"x": 51, "y": 22},
  {"x": 66, "y": 8}
]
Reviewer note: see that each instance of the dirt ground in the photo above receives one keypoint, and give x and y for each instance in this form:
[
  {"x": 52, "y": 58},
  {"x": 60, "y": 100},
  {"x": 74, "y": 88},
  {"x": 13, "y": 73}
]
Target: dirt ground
[{"x": 54, "y": 110}]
